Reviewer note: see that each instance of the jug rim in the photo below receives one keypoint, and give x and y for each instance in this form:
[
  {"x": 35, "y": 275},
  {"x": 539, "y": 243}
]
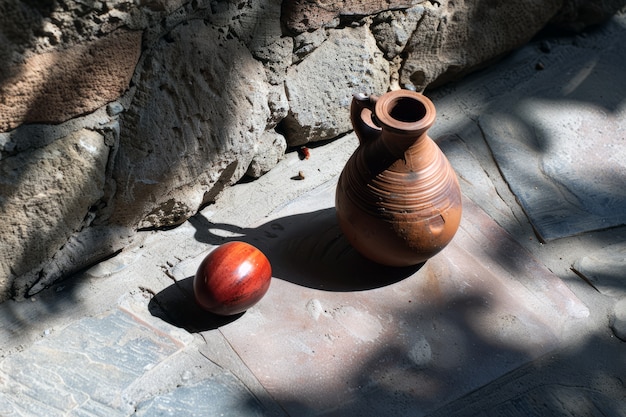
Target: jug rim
[{"x": 405, "y": 110}]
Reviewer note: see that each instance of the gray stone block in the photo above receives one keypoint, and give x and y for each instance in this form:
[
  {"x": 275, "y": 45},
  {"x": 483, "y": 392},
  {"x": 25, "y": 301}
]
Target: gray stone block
[
  {"x": 83, "y": 369},
  {"x": 220, "y": 395}
]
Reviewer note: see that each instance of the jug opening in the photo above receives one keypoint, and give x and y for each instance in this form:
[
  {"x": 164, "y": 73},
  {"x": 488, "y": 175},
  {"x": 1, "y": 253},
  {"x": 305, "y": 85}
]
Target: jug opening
[{"x": 407, "y": 110}]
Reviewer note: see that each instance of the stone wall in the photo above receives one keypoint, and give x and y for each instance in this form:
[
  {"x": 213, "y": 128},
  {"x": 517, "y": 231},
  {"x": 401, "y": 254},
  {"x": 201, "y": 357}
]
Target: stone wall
[{"x": 122, "y": 115}]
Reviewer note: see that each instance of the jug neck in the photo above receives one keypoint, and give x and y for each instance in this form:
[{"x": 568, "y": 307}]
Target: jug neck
[{"x": 405, "y": 117}]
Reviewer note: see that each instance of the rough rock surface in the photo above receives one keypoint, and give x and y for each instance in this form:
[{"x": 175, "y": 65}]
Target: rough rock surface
[
  {"x": 55, "y": 86},
  {"x": 306, "y": 15},
  {"x": 346, "y": 63},
  {"x": 268, "y": 151},
  {"x": 577, "y": 15},
  {"x": 51, "y": 189},
  {"x": 455, "y": 37},
  {"x": 199, "y": 110},
  {"x": 393, "y": 29}
]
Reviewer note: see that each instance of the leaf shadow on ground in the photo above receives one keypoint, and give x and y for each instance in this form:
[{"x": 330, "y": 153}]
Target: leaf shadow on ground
[{"x": 306, "y": 249}]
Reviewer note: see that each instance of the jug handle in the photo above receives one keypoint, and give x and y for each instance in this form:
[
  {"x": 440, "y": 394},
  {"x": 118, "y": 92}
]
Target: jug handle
[{"x": 363, "y": 117}]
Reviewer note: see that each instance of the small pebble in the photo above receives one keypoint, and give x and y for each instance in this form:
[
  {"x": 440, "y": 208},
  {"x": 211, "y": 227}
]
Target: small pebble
[
  {"x": 539, "y": 66},
  {"x": 186, "y": 376}
]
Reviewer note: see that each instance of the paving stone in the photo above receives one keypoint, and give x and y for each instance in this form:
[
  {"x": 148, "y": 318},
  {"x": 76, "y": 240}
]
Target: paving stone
[
  {"x": 220, "y": 395},
  {"x": 580, "y": 380},
  {"x": 558, "y": 137},
  {"x": 605, "y": 269},
  {"x": 551, "y": 400},
  {"x": 84, "y": 368},
  {"x": 475, "y": 182},
  {"x": 175, "y": 305},
  {"x": 337, "y": 334}
]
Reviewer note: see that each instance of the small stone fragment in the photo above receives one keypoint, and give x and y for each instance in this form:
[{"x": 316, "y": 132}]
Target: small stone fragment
[{"x": 114, "y": 108}]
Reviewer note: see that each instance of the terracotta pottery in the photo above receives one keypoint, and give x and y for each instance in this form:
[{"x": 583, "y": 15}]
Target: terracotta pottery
[{"x": 398, "y": 199}]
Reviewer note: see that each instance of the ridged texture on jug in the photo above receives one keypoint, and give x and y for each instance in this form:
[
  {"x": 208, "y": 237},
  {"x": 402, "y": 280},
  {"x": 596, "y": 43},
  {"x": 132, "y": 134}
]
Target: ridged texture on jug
[{"x": 398, "y": 199}]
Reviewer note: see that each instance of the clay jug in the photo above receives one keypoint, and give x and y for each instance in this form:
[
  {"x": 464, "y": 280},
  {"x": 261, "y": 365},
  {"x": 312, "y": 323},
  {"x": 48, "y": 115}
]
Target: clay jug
[{"x": 398, "y": 199}]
